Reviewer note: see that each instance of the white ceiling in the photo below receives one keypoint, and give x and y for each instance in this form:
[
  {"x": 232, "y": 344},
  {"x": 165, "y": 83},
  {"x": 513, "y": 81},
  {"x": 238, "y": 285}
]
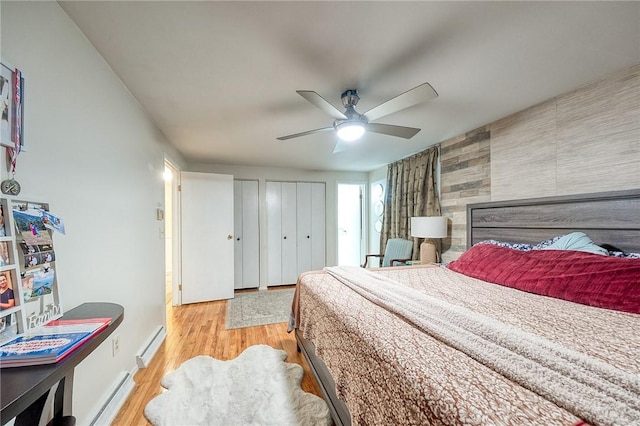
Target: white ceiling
[{"x": 220, "y": 78}]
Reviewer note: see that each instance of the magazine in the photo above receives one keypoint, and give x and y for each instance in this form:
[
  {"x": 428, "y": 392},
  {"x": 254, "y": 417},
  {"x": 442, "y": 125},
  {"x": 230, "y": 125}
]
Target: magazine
[{"x": 50, "y": 342}]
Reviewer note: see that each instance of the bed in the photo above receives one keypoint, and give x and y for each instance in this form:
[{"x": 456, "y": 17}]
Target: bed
[{"x": 432, "y": 345}]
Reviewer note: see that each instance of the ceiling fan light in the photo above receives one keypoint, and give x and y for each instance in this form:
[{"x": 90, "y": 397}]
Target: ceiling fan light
[{"x": 350, "y": 131}]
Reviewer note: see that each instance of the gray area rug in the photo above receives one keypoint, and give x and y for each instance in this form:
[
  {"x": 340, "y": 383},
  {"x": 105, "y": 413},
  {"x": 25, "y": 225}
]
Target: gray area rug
[
  {"x": 256, "y": 388},
  {"x": 259, "y": 308}
]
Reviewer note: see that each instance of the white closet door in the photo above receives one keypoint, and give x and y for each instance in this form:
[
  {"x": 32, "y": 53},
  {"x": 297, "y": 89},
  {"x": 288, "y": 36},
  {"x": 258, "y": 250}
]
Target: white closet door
[
  {"x": 247, "y": 237},
  {"x": 250, "y": 235},
  {"x": 303, "y": 217},
  {"x": 207, "y": 237},
  {"x": 289, "y": 249},
  {"x": 237, "y": 233},
  {"x": 318, "y": 225},
  {"x": 274, "y": 232}
]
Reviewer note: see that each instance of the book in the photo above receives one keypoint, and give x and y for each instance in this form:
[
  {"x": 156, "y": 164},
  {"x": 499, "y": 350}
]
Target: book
[{"x": 51, "y": 342}]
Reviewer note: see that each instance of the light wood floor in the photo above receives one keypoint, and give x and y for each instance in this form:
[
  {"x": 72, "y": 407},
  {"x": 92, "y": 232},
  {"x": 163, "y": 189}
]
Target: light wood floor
[{"x": 199, "y": 329}]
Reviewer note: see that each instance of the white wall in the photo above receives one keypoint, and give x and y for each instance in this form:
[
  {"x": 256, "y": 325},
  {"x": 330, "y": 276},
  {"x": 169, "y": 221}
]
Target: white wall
[
  {"x": 375, "y": 177},
  {"x": 264, "y": 174},
  {"x": 96, "y": 158}
]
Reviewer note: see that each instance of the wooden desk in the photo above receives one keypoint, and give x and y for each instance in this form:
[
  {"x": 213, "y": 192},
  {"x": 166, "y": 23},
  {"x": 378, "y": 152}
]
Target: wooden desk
[{"x": 23, "y": 390}]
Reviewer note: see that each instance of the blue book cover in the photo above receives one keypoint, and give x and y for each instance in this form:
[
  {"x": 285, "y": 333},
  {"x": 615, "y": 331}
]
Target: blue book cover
[
  {"x": 40, "y": 346},
  {"x": 49, "y": 343}
]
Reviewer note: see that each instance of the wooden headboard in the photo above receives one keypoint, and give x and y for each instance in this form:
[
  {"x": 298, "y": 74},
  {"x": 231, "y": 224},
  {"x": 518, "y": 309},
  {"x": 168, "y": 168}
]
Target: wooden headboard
[{"x": 607, "y": 218}]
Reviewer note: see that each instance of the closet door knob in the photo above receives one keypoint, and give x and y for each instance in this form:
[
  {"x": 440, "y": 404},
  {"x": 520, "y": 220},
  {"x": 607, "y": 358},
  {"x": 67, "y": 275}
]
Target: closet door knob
[
  {"x": 285, "y": 237},
  {"x": 308, "y": 236}
]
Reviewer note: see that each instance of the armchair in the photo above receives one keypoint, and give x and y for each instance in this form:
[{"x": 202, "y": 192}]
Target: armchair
[{"x": 397, "y": 250}]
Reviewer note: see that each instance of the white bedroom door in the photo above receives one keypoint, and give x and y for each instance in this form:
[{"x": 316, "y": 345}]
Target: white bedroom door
[{"x": 207, "y": 237}]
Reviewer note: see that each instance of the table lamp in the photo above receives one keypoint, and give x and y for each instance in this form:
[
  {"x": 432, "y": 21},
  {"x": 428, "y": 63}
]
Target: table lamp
[{"x": 428, "y": 227}]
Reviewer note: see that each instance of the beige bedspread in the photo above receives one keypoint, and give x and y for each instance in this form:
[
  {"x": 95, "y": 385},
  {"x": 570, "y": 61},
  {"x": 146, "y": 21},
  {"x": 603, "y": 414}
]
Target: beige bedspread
[{"x": 389, "y": 373}]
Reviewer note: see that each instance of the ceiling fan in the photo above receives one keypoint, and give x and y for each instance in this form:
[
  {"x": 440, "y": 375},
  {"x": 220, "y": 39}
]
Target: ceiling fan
[{"x": 351, "y": 125}]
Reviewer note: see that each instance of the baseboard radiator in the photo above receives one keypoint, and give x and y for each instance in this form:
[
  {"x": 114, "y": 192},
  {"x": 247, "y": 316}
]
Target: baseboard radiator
[
  {"x": 150, "y": 347},
  {"x": 114, "y": 401}
]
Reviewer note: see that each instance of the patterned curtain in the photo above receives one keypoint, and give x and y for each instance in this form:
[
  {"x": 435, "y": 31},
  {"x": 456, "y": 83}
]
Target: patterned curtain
[{"x": 411, "y": 191}]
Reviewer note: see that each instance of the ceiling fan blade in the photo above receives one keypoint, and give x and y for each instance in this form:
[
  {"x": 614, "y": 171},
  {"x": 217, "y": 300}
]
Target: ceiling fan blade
[
  {"x": 419, "y": 94},
  {"x": 340, "y": 146},
  {"x": 388, "y": 129},
  {"x": 321, "y": 103},
  {"x": 309, "y": 132}
]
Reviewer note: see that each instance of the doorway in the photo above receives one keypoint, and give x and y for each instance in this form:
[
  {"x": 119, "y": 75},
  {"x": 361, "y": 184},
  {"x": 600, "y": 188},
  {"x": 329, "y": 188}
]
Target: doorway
[
  {"x": 350, "y": 221},
  {"x": 171, "y": 234}
]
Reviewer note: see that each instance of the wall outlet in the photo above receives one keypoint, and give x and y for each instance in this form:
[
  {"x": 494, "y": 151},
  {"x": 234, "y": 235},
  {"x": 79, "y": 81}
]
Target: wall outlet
[{"x": 115, "y": 345}]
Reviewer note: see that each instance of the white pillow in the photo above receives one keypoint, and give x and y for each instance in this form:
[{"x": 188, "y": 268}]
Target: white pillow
[{"x": 576, "y": 241}]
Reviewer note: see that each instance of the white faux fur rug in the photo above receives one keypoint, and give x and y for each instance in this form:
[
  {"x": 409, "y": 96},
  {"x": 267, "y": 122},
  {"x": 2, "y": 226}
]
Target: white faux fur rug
[{"x": 256, "y": 388}]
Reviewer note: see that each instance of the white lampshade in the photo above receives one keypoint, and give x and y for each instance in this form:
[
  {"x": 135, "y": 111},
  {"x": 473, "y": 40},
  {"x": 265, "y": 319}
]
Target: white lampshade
[{"x": 429, "y": 227}]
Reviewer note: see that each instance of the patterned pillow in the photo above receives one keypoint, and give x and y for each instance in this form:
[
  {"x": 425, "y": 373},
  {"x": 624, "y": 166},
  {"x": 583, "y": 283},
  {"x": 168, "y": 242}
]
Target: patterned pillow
[
  {"x": 523, "y": 247},
  {"x": 514, "y": 246},
  {"x": 624, "y": 254},
  {"x": 547, "y": 243},
  {"x": 613, "y": 251}
]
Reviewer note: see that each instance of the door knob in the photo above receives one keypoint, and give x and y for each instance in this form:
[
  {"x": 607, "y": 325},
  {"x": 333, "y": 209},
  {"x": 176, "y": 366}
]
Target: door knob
[
  {"x": 285, "y": 237},
  {"x": 229, "y": 237}
]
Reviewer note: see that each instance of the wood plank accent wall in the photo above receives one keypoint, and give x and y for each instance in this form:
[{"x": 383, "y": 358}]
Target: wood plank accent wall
[
  {"x": 465, "y": 177},
  {"x": 584, "y": 141},
  {"x": 598, "y": 142}
]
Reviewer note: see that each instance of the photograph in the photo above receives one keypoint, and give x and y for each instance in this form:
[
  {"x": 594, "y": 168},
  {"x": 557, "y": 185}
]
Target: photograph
[
  {"x": 28, "y": 220},
  {"x": 52, "y": 222},
  {"x": 47, "y": 256},
  {"x": 35, "y": 255},
  {"x": 11, "y": 107},
  {"x": 28, "y": 249},
  {"x": 8, "y": 327},
  {"x": 27, "y": 287},
  {"x": 32, "y": 260},
  {"x": 3, "y": 231},
  {"x": 5, "y": 258},
  {"x": 37, "y": 283},
  {"x": 29, "y": 224},
  {"x": 43, "y": 282},
  {"x": 7, "y": 298}
]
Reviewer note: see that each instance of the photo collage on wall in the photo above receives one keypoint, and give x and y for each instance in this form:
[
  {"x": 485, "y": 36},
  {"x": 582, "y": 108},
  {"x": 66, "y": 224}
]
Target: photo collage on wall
[
  {"x": 9, "y": 301},
  {"x": 36, "y": 253},
  {"x": 36, "y": 284}
]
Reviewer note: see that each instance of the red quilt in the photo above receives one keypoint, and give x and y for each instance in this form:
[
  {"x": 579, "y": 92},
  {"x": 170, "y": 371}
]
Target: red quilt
[{"x": 581, "y": 277}]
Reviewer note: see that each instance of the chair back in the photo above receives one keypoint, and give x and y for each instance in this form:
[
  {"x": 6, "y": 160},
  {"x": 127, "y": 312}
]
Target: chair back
[{"x": 397, "y": 248}]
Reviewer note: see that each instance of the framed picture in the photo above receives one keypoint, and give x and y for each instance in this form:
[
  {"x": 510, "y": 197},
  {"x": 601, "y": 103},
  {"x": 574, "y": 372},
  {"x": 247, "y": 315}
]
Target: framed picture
[
  {"x": 3, "y": 230},
  {"x": 8, "y": 306},
  {"x": 8, "y": 327},
  {"x": 5, "y": 253},
  {"x": 11, "y": 107}
]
